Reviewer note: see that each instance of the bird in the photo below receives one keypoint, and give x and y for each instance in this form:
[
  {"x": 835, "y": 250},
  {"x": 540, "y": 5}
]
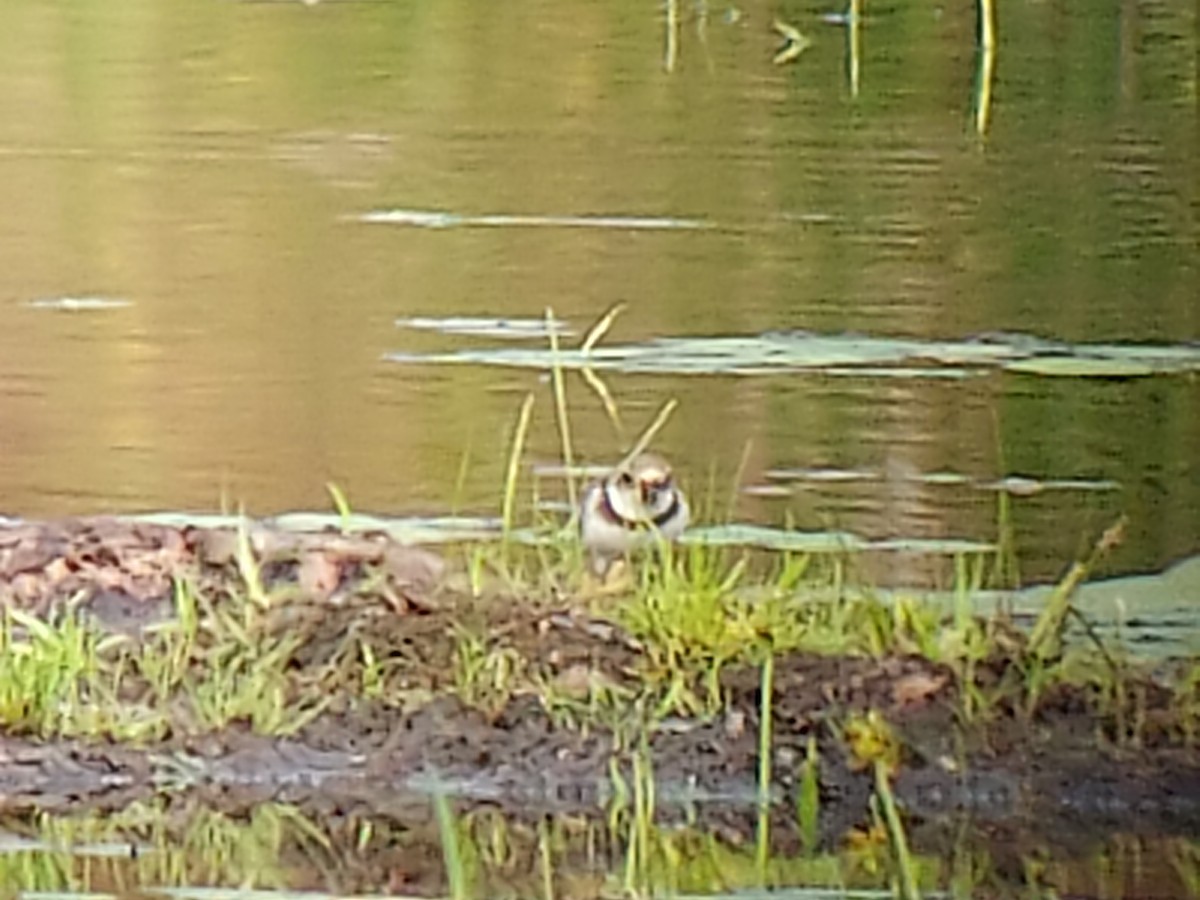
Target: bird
[{"x": 632, "y": 507}]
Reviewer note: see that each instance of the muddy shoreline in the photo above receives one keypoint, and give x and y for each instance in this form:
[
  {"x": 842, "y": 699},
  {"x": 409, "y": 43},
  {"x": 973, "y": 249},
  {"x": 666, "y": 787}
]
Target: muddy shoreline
[{"x": 1058, "y": 770}]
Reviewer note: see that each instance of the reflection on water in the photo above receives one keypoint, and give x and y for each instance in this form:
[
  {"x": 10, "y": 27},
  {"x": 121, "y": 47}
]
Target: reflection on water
[
  {"x": 186, "y": 850},
  {"x": 196, "y": 303},
  {"x": 207, "y": 165},
  {"x": 426, "y": 219}
]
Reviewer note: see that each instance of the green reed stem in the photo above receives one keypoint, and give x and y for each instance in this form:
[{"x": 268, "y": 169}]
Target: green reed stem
[
  {"x": 546, "y": 860},
  {"x": 560, "y": 408},
  {"x": 456, "y": 873},
  {"x": 340, "y": 504},
  {"x": 1046, "y": 638},
  {"x": 597, "y": 331},
  {"x": 653, "y": 429},
  {"x": 738, "y": 475},
  {"x": 908, "y": 874},
  {"x": 460, "y": 480},
  {"x": 765, "y": 703},
  {"x": 810, "y": 797},
  {"x": 512, "y": 474}
]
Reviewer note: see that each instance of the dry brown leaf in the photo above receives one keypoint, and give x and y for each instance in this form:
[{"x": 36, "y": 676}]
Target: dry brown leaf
[
  {"x": 57, "y": 571},
  {"x": 413, "y": 568},
  {"x": 319, "y": 575},
  {"x": 215, "y": 546},
  {"x": 917, "y": 687},
  {"x": 28, "y": 555}
]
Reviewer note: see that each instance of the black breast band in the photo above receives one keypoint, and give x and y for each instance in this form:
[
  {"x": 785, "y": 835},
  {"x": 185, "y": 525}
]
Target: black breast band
[{"x": 607, "y": 510}]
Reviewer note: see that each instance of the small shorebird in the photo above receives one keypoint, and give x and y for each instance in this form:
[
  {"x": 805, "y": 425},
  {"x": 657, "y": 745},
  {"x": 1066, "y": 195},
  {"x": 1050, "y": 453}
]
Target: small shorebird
[{"x": 629, "y": 509}]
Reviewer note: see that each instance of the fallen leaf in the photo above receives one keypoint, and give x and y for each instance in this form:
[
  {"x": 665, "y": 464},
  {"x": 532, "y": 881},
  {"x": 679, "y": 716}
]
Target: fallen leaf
[
  {"x": 320, "y": 574},
  {"x": 917, "y": 687},
  {"x": 413, "y": 568}
]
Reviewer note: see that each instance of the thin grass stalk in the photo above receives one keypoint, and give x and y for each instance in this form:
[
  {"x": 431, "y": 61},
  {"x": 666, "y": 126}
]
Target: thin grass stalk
[
  {"x": 597, "y": 331},
  {"x": 671, "y": 51},
  {"x": 596, "y": 383},
  {"x": 460, "y": 480},
  {"x": 1007, "y": 569},
  {"x": 854, "y": 41},
  {"x": 637, "y": 873},
  {"x": 765, "y": 704},
  {"x": 987, "y": 67},
  {"x": 651, "y": 431},
  {"x": 635, "y": 867},
  {"x": 456, "y": 874},
  {"x": 648, "y": 800},
  {"x": 248, "y": 566},
  {"x": 560, "y": 408},
  {"x": 962, "y": 594},
  {"x": 1007, "y": 572},
  {"x": 1046, "y": 638},
  {"x": 908, "y": 875},
  {"x": 546, "y": 860},
  {"x": 987, "y": 24},
  {"x": 766, "y": 692},
  {"x": 738, "y": 474},
  {"x": 340, "y": 504},
  {"x": 513, "y": 472},
  {"x": 810, "y": 798},
  {"x": 619, "y": 802}
]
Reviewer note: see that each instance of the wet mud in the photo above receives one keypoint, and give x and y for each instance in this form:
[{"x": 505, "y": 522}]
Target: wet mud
[{"x": 1053, "y": 772}]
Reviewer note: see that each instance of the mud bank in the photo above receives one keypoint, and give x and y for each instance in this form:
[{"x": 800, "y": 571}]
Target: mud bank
[{"x": 540, "y": 743}]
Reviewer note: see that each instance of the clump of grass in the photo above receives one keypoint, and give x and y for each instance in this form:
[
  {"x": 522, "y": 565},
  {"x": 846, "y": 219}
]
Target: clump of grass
[
  {"x": 1186, "y": 699},
  {"x": 209, "y": 665},
  {"x": 486, "y": 674},
  {"x": 48, "y": 674},
  {"x": 698, "y": 610},
  {"x": 1045, "y": 641}
]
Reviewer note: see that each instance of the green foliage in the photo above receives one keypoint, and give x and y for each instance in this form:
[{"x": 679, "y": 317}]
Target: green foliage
[
  {"x": 459, "y": 852},
  {"x": 486, "y": 674},
  {"x": 808, "y": 801},
  {"x": 47, "y": 674},
  {"x": 196, "y": 672}
]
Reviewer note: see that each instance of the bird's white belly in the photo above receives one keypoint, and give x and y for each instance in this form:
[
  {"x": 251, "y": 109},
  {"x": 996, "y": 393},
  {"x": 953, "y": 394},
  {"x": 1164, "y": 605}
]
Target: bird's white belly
[{"x": 602, "y": 535}]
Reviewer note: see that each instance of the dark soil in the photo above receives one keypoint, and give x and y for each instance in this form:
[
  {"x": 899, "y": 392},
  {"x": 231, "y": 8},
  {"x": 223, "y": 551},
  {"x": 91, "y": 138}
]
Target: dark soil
[{"x": 1060, "y": 770}]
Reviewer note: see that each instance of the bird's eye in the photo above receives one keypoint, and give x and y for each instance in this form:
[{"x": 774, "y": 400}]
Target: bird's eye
[{"x": 625, "y": 479}]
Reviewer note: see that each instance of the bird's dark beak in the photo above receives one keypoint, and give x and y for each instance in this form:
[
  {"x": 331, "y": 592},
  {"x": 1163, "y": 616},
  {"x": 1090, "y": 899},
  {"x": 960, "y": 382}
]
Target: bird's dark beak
[{"x": 651, "y": 490}]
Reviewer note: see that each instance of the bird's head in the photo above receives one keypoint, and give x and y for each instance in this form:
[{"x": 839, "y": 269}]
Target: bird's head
[{"x": 649, "y": 476}]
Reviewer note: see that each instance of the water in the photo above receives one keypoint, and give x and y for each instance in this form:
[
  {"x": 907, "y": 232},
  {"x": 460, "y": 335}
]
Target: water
[
  {"x": 277, "y": 850},
  {"x": 201, "y": 280},
  {"x": 201, "y": 174}
]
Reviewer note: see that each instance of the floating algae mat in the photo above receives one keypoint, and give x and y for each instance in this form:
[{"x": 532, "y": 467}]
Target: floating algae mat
[
  {"x": 844, "y": 354},
  {"x": 457, "y": 529},
  {"x": 407, "y": 530},
  {"x": 780, "y": 481},
  {"x": 484, "y": 326},
  {"x": 437, "y": 219}
]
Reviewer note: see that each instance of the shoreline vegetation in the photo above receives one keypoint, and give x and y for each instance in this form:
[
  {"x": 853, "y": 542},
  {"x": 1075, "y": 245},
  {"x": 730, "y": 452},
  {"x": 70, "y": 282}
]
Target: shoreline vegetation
[
  {"x": 143, "y": 662},
  {"x": 768, "y": 692}
]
